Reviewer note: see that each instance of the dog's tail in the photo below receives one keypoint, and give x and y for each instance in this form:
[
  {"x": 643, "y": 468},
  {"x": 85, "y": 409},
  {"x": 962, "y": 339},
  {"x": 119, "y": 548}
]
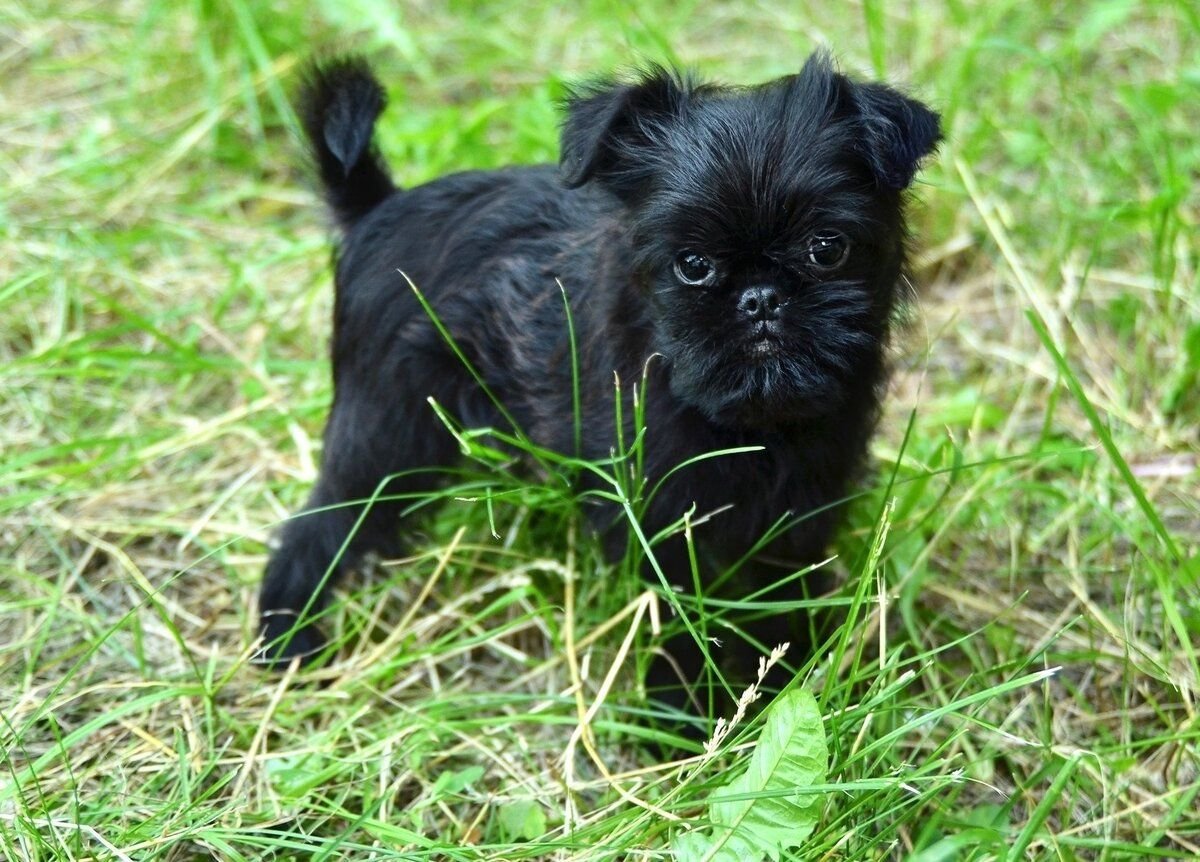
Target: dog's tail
[{"x": 338, "y": 103}]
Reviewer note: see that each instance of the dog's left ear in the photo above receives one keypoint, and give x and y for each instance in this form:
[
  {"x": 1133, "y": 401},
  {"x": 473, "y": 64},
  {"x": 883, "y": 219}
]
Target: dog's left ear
[
  {"x": 613, "y": 131},
  {"x": 897, "y": 133}
]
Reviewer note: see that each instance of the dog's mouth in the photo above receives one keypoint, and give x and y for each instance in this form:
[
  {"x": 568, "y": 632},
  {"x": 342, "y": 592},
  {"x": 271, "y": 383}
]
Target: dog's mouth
[{"x": 763, "y": 340}]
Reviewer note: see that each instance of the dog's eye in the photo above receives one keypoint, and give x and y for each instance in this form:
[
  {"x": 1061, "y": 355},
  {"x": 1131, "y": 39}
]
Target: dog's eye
[
  {"x": 828, "y": 249},
  {"x": 692, "y": 268}
]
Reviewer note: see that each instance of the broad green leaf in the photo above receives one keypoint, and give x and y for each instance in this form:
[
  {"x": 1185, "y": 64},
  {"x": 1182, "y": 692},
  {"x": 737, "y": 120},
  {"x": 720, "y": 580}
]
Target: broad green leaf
[
  {"x": 522, "y": 820},
  {"x": 765, "y": 809},
  {"x": 452, "y": 783}
]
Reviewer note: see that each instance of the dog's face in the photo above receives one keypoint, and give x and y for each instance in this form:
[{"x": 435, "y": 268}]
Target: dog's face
[{"x": 767, "y": 225}]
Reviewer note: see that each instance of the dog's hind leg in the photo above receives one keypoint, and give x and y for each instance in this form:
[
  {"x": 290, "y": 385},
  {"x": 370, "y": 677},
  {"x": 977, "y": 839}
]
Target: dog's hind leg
[{"x": 383, "y": 448}]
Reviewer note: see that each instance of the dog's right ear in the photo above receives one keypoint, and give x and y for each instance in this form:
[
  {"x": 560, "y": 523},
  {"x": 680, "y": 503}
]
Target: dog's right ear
[{"x": 612, "y": 131}]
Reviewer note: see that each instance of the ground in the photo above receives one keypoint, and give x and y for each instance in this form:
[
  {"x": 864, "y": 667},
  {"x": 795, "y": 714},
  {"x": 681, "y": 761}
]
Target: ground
[{"x": 1017, "y": 672}]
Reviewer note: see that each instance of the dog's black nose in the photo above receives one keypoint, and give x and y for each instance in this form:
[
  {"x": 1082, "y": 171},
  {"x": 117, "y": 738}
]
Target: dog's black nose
[{"x": 760, "y": 302}]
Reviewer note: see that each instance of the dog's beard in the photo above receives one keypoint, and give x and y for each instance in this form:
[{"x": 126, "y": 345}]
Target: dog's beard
[
  {"x": 823, "y": 351},
  {"x": 751, "y": 390}
]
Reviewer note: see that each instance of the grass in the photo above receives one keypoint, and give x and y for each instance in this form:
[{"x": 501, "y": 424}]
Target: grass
[{"x": 1017, "y": 673}]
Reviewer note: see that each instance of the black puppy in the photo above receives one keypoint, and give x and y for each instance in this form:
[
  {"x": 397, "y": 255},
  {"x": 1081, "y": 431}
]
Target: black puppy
[{"x": 751, "y": 240}]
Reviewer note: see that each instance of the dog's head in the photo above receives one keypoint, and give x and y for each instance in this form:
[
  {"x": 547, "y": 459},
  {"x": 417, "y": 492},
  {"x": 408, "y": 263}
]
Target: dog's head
[{"x": 767, "y": 226}]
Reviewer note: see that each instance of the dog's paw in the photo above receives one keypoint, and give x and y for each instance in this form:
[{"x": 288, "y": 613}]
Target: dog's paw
[{"x": 284, "y": 638}]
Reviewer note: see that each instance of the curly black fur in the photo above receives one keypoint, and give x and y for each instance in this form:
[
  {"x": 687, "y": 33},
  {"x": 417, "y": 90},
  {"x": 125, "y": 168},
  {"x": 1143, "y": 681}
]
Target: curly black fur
[{"x": 779, "y": 349}]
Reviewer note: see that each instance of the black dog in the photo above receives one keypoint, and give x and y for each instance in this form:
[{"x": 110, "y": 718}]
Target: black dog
[{"x": 751, "y": 240}]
